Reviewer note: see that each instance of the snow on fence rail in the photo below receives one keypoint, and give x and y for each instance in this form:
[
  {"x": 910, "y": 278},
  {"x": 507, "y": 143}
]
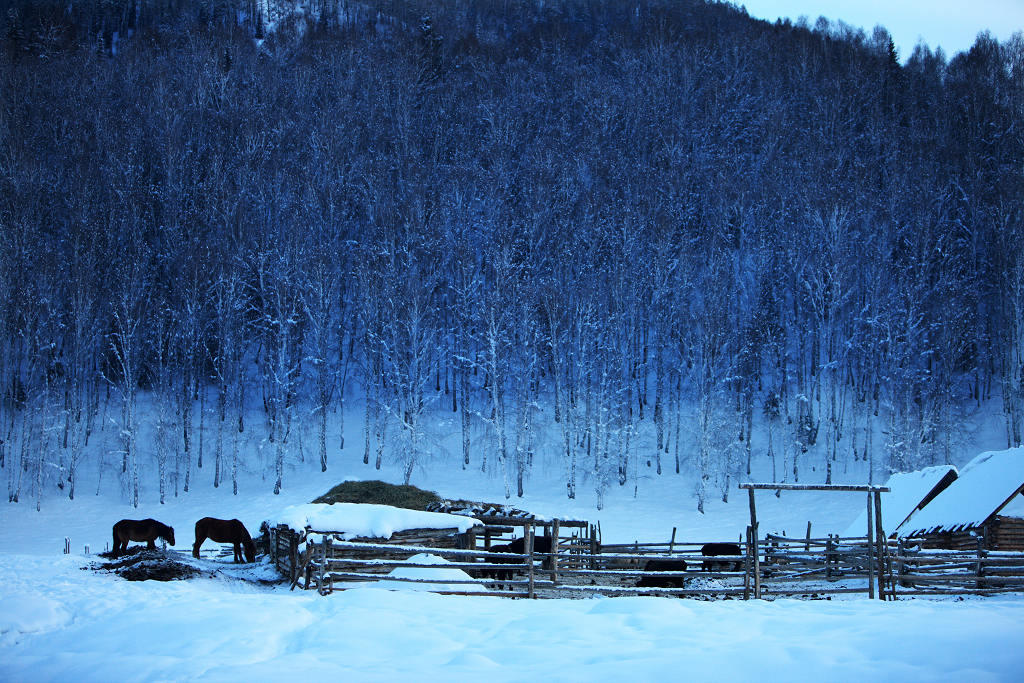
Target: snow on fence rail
[{"x": 786, "y": 566}]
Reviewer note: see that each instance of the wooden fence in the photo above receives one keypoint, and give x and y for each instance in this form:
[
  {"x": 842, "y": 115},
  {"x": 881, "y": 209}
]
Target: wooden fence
[{"x": 579, "y": 567}]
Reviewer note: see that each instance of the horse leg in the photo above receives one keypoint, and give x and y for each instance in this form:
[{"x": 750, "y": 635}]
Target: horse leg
[
  {"x": 238, "y": 552},
  {"x": 195, "y": 546},
  {"x": 150, "y": 544}
]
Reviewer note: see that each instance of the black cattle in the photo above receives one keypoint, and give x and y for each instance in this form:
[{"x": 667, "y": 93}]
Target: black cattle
[
  {"x": 663, "y": 581},
  {"x": 715, "y": 549},
  {"x": 501, "y": 575},
  {"x": 541, "y": 545}
]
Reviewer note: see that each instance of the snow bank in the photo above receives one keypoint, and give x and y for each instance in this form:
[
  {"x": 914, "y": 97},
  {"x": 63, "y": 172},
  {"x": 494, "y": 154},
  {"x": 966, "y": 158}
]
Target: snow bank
[
  {"x": 213, "y": 630},
  {"x": 906, "y": 491},
  {"x": 440, "y": 576},
  {"x": 361, "y": 520},
  {"x": 29, "y": 612},
  {"x": 985, "y": 483}
]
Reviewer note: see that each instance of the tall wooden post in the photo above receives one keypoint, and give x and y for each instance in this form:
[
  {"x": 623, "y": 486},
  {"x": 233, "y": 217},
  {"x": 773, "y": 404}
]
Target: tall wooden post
[
  {"x": 594, "y": 547},
  {"x": 528, "y": 542},
  {"x": 881, "y": 543},
  {"x": 754, "y": 545},
  {"x": 871, "y": 549},
  {"x": 747, "y": 564},
  {"x": 554, "y": 551}
]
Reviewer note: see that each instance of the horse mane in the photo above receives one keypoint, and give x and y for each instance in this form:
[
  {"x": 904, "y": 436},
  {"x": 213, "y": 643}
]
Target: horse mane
[{"x": 246, "y": 538}]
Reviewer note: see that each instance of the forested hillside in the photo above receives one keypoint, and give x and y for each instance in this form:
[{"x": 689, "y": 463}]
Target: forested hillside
[{"x": 614, "y": 233}]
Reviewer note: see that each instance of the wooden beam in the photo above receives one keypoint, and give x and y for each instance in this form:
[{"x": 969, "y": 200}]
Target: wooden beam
[{"x": 813, "y": 487}]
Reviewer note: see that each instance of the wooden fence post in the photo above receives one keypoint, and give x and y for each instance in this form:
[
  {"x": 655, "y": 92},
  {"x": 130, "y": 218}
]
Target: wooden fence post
[
  {"x": 325, "y": 553},
  {"x": 554, "y": 551},
  {"x": 672, "y": 542},
  {"x": 593, "y": 547},
  {"x": 882, "y": 546},
  {"x": 746, "y": 568},
  {"x": 979, "y": 569},
  {"x": 293, "y": 554},
  {"x": 828, "y": 558},
  {"x": 871, "y": 554},
  {"x": 755, "y": 549},
  {"x": 528, "y": 542},
  {"x": 807, "y": 543}
]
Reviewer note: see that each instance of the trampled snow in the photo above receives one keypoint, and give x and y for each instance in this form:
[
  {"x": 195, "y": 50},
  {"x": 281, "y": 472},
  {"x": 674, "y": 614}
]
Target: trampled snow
[{"x": 984, "y": 484}]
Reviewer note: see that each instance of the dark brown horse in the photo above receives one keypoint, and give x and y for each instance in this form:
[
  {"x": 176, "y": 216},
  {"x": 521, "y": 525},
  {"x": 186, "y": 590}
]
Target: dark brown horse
[
  {"x": 147, "y": 530},
  {"x": 225, "y": 531}
]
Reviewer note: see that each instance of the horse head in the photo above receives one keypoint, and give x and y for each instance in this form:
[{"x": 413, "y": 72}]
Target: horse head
[{"x": 250, "y": 550}]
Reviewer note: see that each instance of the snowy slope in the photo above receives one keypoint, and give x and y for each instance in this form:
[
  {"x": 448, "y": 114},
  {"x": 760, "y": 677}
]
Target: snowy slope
[{"x": 60, "y": 622}]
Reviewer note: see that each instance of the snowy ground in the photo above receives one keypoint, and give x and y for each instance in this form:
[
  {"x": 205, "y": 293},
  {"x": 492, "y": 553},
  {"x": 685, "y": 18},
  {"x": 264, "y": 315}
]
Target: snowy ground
[{"x": 62, "y": 622}]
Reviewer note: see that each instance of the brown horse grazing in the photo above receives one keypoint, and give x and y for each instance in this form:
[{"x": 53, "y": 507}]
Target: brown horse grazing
[
  {"x": 147, "y": 530},
  {"x": 225, "y": 531}
]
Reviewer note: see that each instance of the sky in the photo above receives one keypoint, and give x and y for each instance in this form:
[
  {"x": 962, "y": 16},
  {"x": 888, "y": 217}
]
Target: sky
[{"x": 950, "y": 24}]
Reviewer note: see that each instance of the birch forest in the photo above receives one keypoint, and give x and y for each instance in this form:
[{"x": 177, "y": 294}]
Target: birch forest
[{"x": 595, "y": 241}]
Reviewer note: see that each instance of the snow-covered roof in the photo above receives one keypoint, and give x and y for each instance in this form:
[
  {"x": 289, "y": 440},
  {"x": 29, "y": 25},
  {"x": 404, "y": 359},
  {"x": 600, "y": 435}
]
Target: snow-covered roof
[
  {"x": 985, "y": 485},
  {"x": 362, "y": 520},
  {"x": 907, "y": 492}
]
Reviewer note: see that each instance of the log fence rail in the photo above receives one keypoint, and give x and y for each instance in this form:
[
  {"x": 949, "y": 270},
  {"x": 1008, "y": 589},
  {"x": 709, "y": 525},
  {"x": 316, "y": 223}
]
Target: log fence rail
[{"x": 784, "y": 566}]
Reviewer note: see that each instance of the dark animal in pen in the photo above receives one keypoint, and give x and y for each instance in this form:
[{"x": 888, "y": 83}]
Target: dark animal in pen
[
  {"x": 147, "y": 530},
  {"x": 225, "y": 531},
  {"x": 500, "y": 576},
  {"x": 712, "y": 550},
  {"x": 541, "y": 545},
  {"x": 663, "y": 581}
]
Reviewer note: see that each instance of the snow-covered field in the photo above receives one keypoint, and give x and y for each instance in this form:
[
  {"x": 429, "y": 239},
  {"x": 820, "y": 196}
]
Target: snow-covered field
[{"x": 60, "y": 622}]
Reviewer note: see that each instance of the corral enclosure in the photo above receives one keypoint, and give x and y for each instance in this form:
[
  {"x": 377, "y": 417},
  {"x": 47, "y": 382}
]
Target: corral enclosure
[{"x": 332, "y": 547}]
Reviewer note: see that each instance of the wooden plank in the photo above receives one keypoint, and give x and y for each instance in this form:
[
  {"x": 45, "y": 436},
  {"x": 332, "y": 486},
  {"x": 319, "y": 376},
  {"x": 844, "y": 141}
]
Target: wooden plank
[{"x": 813, "y": 487}]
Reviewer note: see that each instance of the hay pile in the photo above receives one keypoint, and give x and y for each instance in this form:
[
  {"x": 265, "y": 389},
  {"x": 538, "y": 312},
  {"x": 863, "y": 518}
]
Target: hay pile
[
  {"x": 380, "y": 493},
  {"x": 412, "y": 498},
  {"x": 139, "y": 564}
]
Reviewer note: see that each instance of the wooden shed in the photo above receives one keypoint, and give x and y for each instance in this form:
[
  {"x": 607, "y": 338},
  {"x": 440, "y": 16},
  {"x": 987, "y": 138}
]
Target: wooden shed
[
  {"x": 982, "y": 508},
  {"x": 500, "y": 522}
]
